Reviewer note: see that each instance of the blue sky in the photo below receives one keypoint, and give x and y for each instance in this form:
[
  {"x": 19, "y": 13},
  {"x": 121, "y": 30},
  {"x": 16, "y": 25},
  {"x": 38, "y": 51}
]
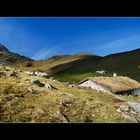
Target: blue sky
[{"x": 41, "y": 38}]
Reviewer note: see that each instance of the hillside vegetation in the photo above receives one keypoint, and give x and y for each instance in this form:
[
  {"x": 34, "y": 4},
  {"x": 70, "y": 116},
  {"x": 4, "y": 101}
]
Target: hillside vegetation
[
  {"x": 22, "y": 101},
  {"x": 25, "y": 97},
  {"x": 76, "y": 67}
]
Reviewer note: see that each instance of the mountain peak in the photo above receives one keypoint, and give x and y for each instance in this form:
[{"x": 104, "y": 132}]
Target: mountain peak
[
  {"x": 3, "y": 48},
  {"x": 83, "y": 54},
  {"x": 9, "y": 57}
]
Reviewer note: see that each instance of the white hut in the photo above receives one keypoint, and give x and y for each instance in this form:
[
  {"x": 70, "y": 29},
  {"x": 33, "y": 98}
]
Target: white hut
[
  {"x": 117, "y": 85},
  {"x": 101, "y": 71}
]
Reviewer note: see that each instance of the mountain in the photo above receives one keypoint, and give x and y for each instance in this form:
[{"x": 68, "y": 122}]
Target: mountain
[
  {"x": 125, "y": 63},
  {"x": 8, "y": 57},
  {"x": 79, "y": 66},
  {"x": 47, "y": 65}
]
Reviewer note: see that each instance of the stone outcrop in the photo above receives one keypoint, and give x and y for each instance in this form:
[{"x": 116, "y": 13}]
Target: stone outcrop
[{"x": 38, "y": 83}]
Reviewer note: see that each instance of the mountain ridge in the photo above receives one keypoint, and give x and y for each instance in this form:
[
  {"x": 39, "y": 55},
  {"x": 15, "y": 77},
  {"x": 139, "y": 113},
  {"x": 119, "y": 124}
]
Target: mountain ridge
[
  {"x": 124, "y": 63},
  {"x": 8, "y": 57}
]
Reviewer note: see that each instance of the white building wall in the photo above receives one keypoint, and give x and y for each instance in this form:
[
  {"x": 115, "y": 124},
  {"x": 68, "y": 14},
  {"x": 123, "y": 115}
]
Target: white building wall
[{"x": 93, "y": 85}]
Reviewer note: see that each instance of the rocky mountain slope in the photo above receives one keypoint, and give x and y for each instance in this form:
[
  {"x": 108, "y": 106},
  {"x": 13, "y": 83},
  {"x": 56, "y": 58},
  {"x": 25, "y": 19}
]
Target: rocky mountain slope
[
  {"x": 8, "y": 57},
  {"x": 78, "y": 66}
]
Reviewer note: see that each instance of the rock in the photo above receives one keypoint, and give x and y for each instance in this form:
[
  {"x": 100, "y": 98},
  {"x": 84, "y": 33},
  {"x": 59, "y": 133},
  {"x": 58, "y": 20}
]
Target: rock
[
  {"x": 134, "y": 106},
  {"x": 118, "y": 110},
  {"x": 124, "y": 108},
  {"x": 30, "y": 73},
  {"x": 41, "y": 74},
  {"x": 70, "y": 86},
  {"x": 19, "y": 71},
  {"x": 49, "y": 86},
  {"x": 131, "y": 118},
  {"x": 12, "y": 73},
  {"x": 29, "y": 90},
  {"x": 38, "y": 83},
  {"x": 32, "y": 91}
]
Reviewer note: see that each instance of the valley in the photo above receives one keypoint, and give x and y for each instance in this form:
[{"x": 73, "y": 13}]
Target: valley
[{"x": 56, "y": 98}]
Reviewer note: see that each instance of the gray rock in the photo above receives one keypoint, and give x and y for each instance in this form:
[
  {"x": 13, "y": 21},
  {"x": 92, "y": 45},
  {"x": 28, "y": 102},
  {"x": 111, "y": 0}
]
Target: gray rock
[
  {"x": 118, "y": 110},
  {"x": 124, "y": 108},
  {"x": 38, "y": 83},
  {"x": 49, "y": 86},
  {"x": 134, "y": 106},
  {"x": 131, "y": 118},
  {"x": 19, "y": 71},
  {"x": 41, "y": 74},
  {"x": 32, "y": 91},
  {"x": 12, "y": 73}
]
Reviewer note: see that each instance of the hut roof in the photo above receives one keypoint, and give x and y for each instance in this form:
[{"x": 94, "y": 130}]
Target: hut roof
[{"x": 115, "y": 84}]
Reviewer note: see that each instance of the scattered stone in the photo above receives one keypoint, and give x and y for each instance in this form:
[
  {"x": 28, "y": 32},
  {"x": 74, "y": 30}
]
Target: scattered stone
[
  {"x": 133, "y": 112},
  {"x": 32, "y": 91},
  {"x": 118, "y": 110},
  {"x": 12, "y": 73},
  {"x": 18, "y": 71},
  {"x": 38, "y": 83},
  {"x": 41, "y": 74},
  {"x": 134, "y": 106},
  {"x": 124, "y": 108},
  {"x": 30, "y": 73},
  {"x": 131, "y": 118},
  {"x": 49, "y": 86},
  {"x": 70, "y": 86}
]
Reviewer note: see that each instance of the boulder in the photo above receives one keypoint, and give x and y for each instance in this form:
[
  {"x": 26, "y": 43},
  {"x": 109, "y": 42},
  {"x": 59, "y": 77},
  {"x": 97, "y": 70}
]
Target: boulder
[
  {"x": 41, "y": 74},
  {"x": 124, "y": 108},
  {"x": 38, "y": 83},
  {"x": 135, "y": 106},
  {"x": 12, "y": 73},
  {"x": 49, "y": 86},
  {"x": 131, "y": 118}
]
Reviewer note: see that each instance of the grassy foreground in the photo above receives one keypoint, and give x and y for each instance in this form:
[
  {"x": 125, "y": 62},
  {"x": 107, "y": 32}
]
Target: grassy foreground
[{"x": 21, "y": 101}]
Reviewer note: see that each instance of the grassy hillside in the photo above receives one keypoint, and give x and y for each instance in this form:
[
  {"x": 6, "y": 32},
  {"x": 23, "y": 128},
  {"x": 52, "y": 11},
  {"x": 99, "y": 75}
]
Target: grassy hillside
[
  {"x": 21, "y": 101},
  {"x": 126, "y": 64},
  {"x": 47, "y": 65},
  {"x": 79, "y": 66}
]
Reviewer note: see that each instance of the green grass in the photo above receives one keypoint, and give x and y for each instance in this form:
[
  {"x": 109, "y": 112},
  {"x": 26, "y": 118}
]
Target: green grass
[{"x": 76, "y": 77}]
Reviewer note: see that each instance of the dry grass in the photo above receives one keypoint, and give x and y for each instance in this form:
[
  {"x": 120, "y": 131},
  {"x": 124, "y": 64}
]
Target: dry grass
[{"x": 65, "y": 105}]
